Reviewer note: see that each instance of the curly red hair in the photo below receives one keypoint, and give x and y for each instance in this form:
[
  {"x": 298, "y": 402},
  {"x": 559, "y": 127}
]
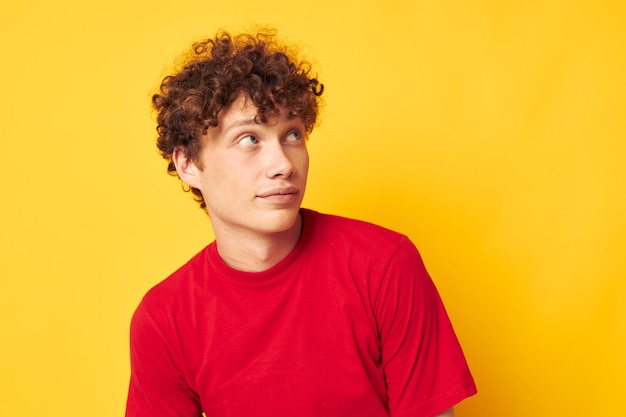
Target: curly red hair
[{"x": 216, "y": 72}]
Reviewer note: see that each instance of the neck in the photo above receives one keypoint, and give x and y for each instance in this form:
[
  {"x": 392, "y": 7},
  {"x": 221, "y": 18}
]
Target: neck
[{"x": 253, "y": 252}]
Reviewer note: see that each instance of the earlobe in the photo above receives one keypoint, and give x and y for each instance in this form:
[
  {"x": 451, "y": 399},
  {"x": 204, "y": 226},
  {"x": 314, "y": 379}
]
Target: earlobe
[{"x": 186, "y": 168}]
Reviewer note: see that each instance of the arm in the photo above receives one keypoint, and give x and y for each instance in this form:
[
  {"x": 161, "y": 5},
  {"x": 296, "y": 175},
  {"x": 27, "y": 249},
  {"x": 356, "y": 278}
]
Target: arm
[
  {"x": 157, "y": 385},
  {"x": 422, "y": 360},
  {"x": 448, "y": 413}
]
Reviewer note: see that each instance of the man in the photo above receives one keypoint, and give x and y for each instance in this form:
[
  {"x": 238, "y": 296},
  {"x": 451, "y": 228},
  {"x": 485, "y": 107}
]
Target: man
[{"x": 289, "y": 312}]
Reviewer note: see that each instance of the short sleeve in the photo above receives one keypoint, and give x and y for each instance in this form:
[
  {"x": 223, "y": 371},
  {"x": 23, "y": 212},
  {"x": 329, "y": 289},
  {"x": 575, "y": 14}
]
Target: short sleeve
[
  {"x": 157, "y": 384},
  {"x": 424, "y": 366}
]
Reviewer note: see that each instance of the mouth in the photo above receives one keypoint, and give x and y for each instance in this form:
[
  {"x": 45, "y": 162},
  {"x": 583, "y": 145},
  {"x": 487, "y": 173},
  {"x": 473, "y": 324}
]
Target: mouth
[{"x": 280, "y": 195}]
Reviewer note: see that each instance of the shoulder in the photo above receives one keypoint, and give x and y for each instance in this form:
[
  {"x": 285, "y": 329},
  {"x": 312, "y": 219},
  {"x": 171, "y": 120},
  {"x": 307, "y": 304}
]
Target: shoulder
[
  {"x": 353, "y": 232},
  {"x": 364, "y": 242},
  {"x": 178, "y": 288}
]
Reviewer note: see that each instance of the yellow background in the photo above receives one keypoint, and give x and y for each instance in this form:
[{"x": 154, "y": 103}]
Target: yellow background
[{"x": 491, "y": 132}]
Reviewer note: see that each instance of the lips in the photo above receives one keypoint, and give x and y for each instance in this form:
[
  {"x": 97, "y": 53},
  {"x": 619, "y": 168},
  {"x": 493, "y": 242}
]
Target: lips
[{"x": 280, "y": 191}]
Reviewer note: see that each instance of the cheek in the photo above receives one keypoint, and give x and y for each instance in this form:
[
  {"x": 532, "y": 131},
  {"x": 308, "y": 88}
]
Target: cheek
[
  {"x": 215, "y": 176},
  {"x": 304, "y": 162},
  {"x": 234, "y": 178}
]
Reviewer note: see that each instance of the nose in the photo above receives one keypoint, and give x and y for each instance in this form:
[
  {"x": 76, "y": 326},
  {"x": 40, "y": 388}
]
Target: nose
[{"x": 279, "y": 163}]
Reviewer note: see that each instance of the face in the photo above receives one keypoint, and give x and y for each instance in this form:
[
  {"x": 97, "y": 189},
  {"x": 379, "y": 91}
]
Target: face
[{"x": 252, "y": 175}]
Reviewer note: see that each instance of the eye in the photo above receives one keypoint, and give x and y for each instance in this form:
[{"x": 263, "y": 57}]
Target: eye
[
  {"x": 293, "y": 136},
  {"x": 248, "y": 140}
]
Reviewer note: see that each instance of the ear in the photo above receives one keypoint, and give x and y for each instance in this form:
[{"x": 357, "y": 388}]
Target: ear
[{"x": 186, "y": 168}]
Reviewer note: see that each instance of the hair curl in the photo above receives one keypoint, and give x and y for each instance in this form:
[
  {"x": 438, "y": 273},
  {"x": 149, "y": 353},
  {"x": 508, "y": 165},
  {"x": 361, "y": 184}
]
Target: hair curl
[{"x": 215, "y": 73}]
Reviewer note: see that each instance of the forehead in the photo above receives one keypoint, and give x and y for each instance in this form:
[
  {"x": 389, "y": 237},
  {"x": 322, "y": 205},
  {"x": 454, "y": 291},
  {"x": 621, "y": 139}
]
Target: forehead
[
  {"x": 243, "y": 112},
  {"x": 241, "y": 109}
]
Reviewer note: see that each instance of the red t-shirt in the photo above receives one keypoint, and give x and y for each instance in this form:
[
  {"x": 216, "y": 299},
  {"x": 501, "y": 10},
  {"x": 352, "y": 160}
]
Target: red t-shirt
[{"x": 348, "y": 324}]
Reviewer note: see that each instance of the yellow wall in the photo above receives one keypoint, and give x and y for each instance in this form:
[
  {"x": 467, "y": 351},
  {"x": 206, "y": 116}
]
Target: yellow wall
[{"x": 491, "y": 132}]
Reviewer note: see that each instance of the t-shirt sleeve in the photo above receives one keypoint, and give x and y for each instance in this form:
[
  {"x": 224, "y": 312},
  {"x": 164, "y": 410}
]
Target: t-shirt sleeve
[
  {"x": 424, "y": 366},
  {"x": 157, "y": 383}
]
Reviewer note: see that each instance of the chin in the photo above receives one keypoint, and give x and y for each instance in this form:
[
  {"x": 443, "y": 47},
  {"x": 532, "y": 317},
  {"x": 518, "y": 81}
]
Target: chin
[{"x": 283, "y": 220}]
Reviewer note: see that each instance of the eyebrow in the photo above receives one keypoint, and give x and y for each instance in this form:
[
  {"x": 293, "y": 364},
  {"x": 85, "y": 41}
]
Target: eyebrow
[{"x": 241, "y": 123}]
